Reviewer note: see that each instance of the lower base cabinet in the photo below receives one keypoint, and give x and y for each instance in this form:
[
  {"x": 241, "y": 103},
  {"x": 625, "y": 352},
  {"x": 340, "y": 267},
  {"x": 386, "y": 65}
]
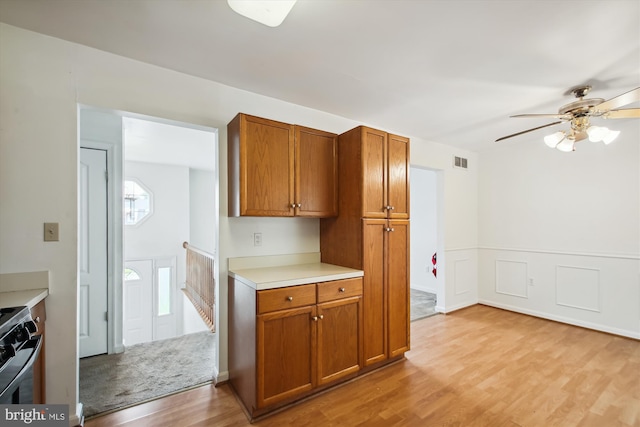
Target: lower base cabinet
[
  {"x": 38, "y": 314},
  {"x": 288, "y": 343}
]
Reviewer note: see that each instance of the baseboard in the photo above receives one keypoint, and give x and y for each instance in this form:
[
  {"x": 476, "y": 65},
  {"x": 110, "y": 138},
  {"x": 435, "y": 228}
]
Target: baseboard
[
  {"x": 222, "y": 377},
  {"x": 77, "y": 419},
  {"x": 562, "y": 319},
  {"x": 451, "y": 309}
]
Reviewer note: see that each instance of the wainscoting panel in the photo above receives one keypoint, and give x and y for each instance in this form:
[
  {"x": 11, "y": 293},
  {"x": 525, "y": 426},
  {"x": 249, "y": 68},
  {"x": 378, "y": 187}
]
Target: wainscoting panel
[
  {"x": 463, "y": 276},
  {"x": 578, "y": 287},
  {"x": 597, "y": 291},
  {"x": 511, "y": 278}
]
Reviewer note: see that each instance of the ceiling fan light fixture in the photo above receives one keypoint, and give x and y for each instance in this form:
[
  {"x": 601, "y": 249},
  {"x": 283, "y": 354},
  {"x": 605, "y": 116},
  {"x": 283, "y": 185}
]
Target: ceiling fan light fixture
[
  {"x": 566, "y": 145},
  {"x": 610, "y": 136},
  {"x": 554, "y": 139},
  {"x": 268, "y": 12},
  {"x": 597, "y": 133}
]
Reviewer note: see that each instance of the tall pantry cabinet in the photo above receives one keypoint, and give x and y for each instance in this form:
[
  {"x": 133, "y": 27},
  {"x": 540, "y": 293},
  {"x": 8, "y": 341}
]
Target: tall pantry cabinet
[{"x": 371, "y": 233}]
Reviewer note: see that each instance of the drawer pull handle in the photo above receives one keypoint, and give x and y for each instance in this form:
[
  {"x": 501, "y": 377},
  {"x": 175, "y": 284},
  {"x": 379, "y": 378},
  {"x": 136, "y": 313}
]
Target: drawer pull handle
[
  {"x": 341, "y": 290},
  {"x": 289, "y": 298}
]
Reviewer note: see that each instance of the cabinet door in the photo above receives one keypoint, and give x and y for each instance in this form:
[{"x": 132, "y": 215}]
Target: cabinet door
[
  {"x": 266, "y": 167},
  {"x": 373, "y": 293},
  {"x": 339, "y": 339},
  {"x": 286, "y": 344},
  {"x": 316, "y": 173},
  {"x": 398, "y": 286},
  {"x": 398, "y": 173},
  {"x": 374, "y": 170}
]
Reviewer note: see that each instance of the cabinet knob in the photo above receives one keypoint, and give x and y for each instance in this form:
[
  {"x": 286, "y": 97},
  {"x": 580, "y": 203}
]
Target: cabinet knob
[
  {"x": 389, "y": 229},
  {"x": 321, "y": 317},
  {"x": 314, "y": 318},
  {"x": 289, "y": 298},
  {"x": 341, "y": 290},
  {"x": 293, "y": 205},
  {"x": 299, "y": 205}
]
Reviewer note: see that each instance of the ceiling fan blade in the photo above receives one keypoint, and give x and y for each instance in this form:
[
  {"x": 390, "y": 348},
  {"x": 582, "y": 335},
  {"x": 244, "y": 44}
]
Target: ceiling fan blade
[
  {"x": 619, "y": 101},
  {"x": 551, "y": 116},
  {"x": 526, "y": 131},
  {"x": 628, "y": 113}
]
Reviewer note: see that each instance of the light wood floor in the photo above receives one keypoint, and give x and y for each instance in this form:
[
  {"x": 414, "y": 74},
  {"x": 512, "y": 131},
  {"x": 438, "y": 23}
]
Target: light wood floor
[{"x": 475, "y": 367}]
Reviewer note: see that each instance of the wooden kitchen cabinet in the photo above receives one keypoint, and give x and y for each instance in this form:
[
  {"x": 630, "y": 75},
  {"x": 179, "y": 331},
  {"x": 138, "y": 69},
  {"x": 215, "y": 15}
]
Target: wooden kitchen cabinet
[
  {"x": 307, "y": 337},
  {"x": 38, "y": 313},
  {"x": 379, "y": 183},
  {"x": 371, "y": 233},
  {"x": 279, "y": 169},
  {"x": 286, "y": 351}
]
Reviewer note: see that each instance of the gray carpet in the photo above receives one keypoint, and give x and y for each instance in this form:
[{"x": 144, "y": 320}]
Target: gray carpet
[
  {"x": 145, "y": 371},
  {"x": 423, "y": 304}
]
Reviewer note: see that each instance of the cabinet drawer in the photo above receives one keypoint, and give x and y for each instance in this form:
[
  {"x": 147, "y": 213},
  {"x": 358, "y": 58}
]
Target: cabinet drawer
[
  {"x": 283, "y": 298},
  {"x": 329, "y": 291}
]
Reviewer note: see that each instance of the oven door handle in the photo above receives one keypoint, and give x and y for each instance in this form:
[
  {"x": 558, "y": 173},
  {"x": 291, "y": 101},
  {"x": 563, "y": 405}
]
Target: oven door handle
[{"x": 35, "y": 344}]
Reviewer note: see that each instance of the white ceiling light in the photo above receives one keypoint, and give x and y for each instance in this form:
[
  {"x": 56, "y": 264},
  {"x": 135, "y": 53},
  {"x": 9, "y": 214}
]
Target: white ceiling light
[
  {"x": 553, "y": 139},
  {"x": 598, "y": 133},
  {"x": 566, "y": 145},
  {"x": 267, "y": 12}
]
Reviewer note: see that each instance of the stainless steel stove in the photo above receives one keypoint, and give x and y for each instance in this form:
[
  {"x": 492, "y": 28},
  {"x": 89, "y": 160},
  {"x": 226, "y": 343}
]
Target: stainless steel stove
[{"x": 19, "y": 348}]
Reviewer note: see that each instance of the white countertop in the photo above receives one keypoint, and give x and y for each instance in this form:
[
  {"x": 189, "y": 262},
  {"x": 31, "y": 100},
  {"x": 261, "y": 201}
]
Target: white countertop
[
  {"x": 291, "y": 275},
  {"x": 28, "y": 298}
]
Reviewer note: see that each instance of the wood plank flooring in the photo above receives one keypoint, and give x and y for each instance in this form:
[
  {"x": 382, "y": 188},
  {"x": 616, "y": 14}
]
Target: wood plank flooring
[{"x": 479, "y": 366}]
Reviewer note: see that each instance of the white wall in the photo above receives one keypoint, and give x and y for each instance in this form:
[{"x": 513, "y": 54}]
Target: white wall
[
  {"x": 42, "y": 79},
  {"x": 202, "y": 233},
  {"x": 457, "y": 222},
  {"x": 559, "y": 235},
  {"x": 202, "y": 209},
  {"x": 424, "y": 229},
  {"x": 161, "y": 234}
]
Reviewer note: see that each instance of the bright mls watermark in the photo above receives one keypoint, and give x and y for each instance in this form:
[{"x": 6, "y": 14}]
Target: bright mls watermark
[{"x": 34, "y": 415}]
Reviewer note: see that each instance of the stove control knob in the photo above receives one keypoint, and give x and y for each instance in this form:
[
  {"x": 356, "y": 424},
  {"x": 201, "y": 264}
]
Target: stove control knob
[
  {"x": 22, "y": 334},
  {"x": 6, "y": 353},
  {"x": 31, "y": 326}
]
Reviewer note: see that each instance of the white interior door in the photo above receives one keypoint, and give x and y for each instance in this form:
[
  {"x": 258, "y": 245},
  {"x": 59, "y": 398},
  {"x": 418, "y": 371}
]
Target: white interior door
[
  {"x": 138, "y": 297},
  {"x": 92, "y": 327}
]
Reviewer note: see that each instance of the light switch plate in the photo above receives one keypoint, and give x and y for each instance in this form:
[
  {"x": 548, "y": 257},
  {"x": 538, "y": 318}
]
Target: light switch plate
[{"x": 51, "y": 232}]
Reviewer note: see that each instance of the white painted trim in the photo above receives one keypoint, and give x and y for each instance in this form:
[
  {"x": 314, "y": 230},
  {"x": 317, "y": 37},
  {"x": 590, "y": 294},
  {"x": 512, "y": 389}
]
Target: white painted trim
[
  {"x": 562, "y": 319},
  {"x": 451, "y": 309},
  {"x": 555, "y": 252},
  {"x": 74, "y": 419},
  {"x": 223, "y": 376},
  {"x": 114, "y": 240},
  {"x": 470, "y": 248}
]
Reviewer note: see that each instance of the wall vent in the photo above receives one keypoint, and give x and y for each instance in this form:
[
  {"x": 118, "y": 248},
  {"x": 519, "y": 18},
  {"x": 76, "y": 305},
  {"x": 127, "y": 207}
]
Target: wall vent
[{"x": 459, "y": 162}]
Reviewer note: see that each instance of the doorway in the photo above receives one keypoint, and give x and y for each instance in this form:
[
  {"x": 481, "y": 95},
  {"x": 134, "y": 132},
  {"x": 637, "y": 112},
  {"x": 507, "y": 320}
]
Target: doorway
[
  {"x": 176, "y": 165},
  {"x": 427, "y": 248}
]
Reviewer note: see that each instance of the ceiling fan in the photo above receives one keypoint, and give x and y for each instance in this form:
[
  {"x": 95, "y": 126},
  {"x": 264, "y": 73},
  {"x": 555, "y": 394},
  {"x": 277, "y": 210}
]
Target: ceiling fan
[{"x": 578, "y": 114}]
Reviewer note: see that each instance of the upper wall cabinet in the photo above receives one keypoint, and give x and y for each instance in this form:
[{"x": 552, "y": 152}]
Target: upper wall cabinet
[
  {"x": 377, "y": 186},
  {"x": 278, "y": 169}
]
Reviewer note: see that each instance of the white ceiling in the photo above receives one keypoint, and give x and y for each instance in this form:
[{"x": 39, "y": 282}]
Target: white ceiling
[
  {"x": 153, "y": 142},
  {"x": 449, "y": 71}
]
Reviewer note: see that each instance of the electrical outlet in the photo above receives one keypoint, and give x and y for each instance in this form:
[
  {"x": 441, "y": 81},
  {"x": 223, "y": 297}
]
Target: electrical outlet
[
  {"x": 51, "y": 232},
  {"x": 257, "y": 239}
]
